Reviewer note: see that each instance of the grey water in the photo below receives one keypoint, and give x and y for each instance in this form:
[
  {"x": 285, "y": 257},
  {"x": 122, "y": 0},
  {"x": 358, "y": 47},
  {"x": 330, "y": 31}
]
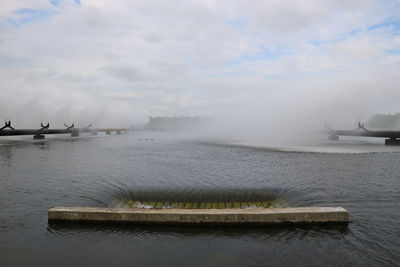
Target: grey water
[{"x": 35, "y": 176}]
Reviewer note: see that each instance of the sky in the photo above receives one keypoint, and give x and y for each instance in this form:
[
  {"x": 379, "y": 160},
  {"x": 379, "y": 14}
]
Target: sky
[{"x": 118, "y": 62}]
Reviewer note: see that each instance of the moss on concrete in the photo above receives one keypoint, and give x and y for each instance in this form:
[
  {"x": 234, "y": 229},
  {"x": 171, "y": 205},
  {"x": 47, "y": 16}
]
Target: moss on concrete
[{"x": 277, "y": 203}]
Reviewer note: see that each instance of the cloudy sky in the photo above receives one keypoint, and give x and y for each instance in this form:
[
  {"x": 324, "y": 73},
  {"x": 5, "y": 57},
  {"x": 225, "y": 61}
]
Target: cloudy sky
[{"x": 118, "y": 62}]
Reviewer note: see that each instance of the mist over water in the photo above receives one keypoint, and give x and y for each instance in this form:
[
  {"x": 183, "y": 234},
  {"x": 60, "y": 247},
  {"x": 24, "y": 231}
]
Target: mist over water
[{"x": 279, "y": 110}]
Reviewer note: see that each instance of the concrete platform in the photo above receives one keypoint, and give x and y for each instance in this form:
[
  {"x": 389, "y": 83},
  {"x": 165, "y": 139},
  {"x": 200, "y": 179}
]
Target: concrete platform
[
  {"x": 201, "y": 216},
  {"x": 392, "y": 142}
]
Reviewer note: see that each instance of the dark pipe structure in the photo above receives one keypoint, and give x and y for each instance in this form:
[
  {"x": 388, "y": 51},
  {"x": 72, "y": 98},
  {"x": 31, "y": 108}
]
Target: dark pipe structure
[
  {"x": 393, "y": 137},
  {"x": 8, "y": 130}
]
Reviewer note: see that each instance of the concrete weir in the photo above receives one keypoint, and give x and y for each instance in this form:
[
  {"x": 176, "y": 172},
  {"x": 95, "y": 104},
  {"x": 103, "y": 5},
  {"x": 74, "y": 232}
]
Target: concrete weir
[{"x": 201, "y": 216}]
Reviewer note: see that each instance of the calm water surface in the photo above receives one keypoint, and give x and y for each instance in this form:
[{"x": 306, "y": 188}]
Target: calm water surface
[{"x": 35, "y": 176}]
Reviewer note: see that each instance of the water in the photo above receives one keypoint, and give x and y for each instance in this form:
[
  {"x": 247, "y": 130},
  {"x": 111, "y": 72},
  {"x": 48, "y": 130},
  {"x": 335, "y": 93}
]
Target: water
[{"x": 36, "y": 176}]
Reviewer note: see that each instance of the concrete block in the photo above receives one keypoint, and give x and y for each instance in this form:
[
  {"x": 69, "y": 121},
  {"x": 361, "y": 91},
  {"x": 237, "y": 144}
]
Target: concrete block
[
  {"x": 392, "y": 142},
  {"x": 201, "y": 216},
  {"x": 38, "y": 136}
]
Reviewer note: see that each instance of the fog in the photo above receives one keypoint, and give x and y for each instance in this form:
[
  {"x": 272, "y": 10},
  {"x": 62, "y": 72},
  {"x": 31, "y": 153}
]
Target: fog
[
  {"x": 268, "y": 70},
  {"x": 294, "y": 111}
]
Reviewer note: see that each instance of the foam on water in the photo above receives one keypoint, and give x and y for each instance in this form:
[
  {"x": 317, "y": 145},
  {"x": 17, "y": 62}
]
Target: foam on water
[{"x": 346, "y": 145}]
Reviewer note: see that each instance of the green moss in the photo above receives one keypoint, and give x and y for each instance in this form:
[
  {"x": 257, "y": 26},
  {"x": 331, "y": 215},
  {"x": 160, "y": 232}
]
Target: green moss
[
  {"x": 266, "y": 204},
  {"x": 282, "y": 203},
  {"x": 199, "y": 205},
  {"x": 159, "y": 205}
]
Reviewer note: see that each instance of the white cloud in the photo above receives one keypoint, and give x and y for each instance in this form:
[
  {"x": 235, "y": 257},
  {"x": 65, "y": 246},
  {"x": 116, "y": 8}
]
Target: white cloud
[{"x": 119, "y": 61}]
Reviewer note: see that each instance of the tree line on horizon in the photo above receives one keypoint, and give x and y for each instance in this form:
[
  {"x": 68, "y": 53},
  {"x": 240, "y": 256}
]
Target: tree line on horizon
[{"x": 384, "y": 121}]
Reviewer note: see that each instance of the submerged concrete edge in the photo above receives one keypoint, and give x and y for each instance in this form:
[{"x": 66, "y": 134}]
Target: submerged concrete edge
[{"x": 201, "y": 216}]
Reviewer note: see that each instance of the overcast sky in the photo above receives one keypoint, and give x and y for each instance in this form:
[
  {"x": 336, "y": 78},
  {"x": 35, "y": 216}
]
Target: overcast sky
[{"x": 120, "y": 61}]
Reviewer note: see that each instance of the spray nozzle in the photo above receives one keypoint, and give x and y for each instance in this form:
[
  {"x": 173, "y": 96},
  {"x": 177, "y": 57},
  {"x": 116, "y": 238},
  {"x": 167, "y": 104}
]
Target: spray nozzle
[
  {"x": 7, "y": 125},
  {"x": 361, "y": 126},
  {"x": 69, "y": 127},
  {"x": 44, "y": 127}
]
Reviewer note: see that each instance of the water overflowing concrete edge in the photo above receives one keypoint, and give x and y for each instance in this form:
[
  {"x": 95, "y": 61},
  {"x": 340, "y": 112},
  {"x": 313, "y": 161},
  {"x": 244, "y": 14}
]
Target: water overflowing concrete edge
[{"x": 297, "y": 215}]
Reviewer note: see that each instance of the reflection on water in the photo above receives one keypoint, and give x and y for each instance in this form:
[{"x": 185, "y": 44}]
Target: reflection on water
[
  {"x": 278, "y": 233},
  {"x": 35, "y": 176}
]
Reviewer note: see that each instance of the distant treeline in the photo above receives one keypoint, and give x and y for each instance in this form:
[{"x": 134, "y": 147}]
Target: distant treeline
[
  {"x": 384, "y": 121},
  {"x": 175, "y": 123}
]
